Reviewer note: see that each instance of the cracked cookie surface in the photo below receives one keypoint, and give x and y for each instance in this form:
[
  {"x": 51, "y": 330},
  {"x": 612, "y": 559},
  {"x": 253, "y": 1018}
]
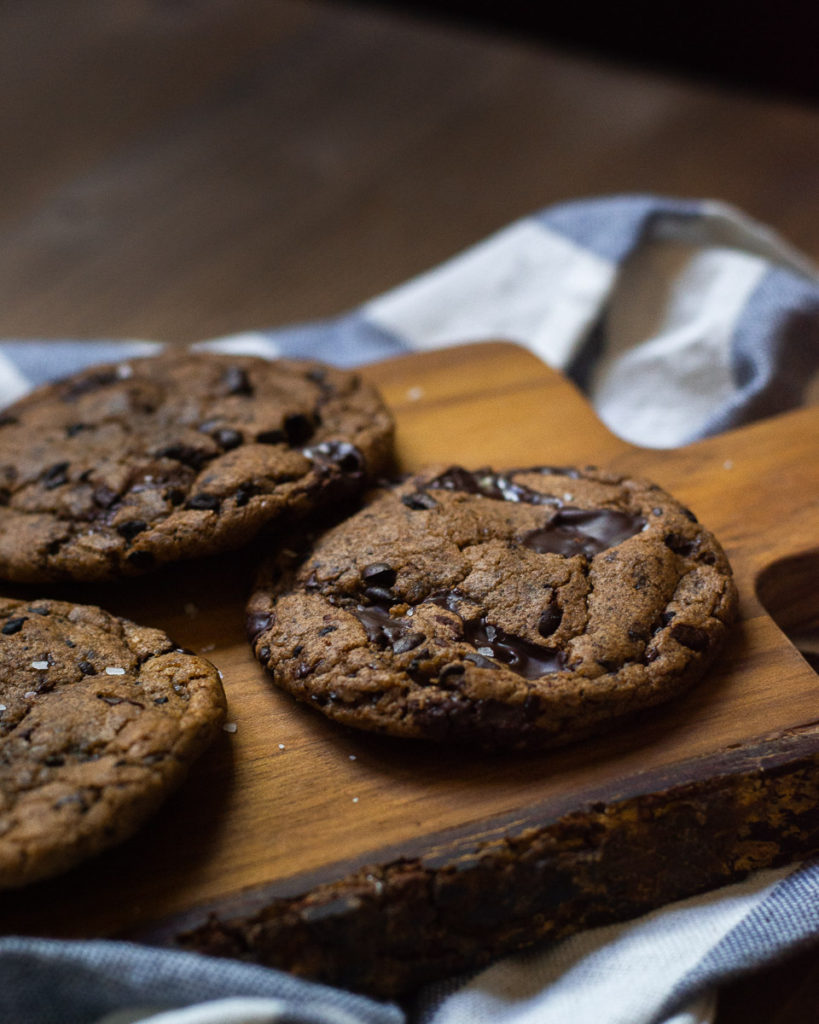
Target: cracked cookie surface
[
  {"x": 99, "y": 721},
  {"x": 515, "y": 609},
  {"x": 124, "y": 467}
]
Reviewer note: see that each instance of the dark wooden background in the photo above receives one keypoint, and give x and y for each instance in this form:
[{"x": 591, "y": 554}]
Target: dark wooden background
[{"x": 179, "y": 169}]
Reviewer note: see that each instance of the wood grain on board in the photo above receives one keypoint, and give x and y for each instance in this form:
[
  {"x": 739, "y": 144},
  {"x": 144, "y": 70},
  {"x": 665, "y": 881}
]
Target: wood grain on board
[{"x": 375, "y": 863}]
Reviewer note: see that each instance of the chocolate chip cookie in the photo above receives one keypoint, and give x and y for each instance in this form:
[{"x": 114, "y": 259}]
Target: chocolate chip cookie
[
  {"x": 99, "y": 721},
  {"x": 122, "y": 468},
  {"x": 510, "y": 609}
]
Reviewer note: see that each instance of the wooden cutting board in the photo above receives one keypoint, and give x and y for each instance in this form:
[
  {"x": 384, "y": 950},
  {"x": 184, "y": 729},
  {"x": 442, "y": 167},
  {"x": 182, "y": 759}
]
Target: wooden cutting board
[{"x": 377, "y": 864}]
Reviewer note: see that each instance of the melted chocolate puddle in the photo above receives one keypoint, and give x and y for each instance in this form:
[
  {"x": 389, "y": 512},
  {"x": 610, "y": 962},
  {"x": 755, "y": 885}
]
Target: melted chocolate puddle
[
  {"x": 527, "y": 659},
  {"x": 581, "y": 531},
  {"x": 570, "y": 531}
]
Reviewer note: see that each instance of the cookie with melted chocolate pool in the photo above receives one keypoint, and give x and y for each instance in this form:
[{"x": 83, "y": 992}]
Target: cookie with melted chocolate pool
[
  {"x": 515, "y": 609},
  {"x": 124, "y": 467}
]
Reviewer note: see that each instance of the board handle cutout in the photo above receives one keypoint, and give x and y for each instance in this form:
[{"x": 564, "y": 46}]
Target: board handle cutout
[{"x": 789, "y": 591}]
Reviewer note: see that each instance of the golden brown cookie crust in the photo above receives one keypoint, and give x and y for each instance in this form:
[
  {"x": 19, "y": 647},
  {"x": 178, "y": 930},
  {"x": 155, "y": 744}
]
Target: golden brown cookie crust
[
  {"x": 506, "y": 609},
  {"x": 127, "y": 466},
  {"x": 99, "y": 722}
]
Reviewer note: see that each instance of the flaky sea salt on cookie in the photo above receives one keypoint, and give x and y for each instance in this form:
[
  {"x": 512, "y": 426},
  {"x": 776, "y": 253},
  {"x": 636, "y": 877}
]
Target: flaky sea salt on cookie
[
  {"x": 122, "y": 468},
  {"x": 515, "y": 609}
]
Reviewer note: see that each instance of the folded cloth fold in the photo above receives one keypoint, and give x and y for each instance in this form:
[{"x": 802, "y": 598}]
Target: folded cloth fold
[{"x": 679, "y": 319}]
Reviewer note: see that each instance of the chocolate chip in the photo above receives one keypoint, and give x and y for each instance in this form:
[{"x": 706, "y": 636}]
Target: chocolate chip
[
  {"x": 7, "y": 421},
  {"x": 380, "y": 595},
  {"x": 258, "y": 622},
  {"x": 87, "y": 668},
  {"x": 298, "y": 428},
  {"x": 271, "y": 437},
  {"x": 243, "y": 494},
  {"x": 407, "y": 643},
  {"x": 204, "y": 502},
  {"x": 175, "y": 495},
  {"x": 160, "y": 700},
  {"x": 141, "y": 559},
  {"x": 681, "y": 545},
  {"x": 87, "y": 384},
  {"x": 326, "y": 630},
  {"x": 104, "y": 496},
  {"x": 13, "y": 626},
  {"x": 419, "y": 501},
  {"x": 39, "y": 609},
  {"x": 195, "y": 458},
  {"x": 55, "y": 476},
  {"x": 237, "y": 382},
  {"x": 341, "y": 454},
  {"x": 692, "y": 637},
  {"x": 74, "y": 428},
  {"x": 131, "y": 528},
  {"x": 379, "y": 573},
  {"x": 550, "y": 619}
]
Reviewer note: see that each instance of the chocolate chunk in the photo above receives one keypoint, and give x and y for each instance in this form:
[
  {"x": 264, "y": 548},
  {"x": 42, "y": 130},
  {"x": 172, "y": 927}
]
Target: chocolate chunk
[
  {"x": 419, "y": 501},
  {"x": 236, "y": 381},
  {"x": 88, "y": 382},
  {"x": 338, "y": 454},
  {"x": 692, "y": 637},
  {"x": 379, "y": 573},
  {"x": 257, "y": 622},
  {"x": 204, "y": 502},
  {"x": 55, "y": 476},
  {"x": 550, "y": 619},
  {"x": 131, "y": 528},
  {"x": 13, "y": 625},
  {"x": 407, "y": 643},
  {"x": 271, "y": 437},
  {"x": 195, "y": 458},
  {"x": 299, "y": 429}
]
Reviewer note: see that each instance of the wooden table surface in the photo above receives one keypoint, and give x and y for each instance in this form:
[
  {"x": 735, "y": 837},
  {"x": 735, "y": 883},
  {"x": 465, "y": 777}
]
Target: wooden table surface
[{"x": 182, "y": 170}]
